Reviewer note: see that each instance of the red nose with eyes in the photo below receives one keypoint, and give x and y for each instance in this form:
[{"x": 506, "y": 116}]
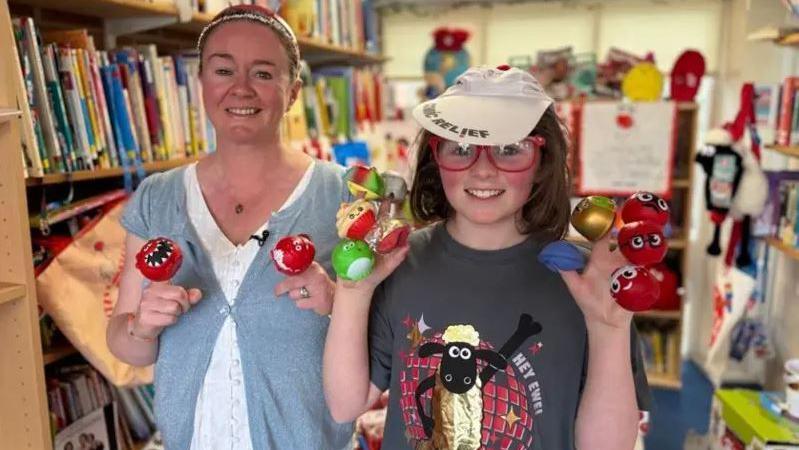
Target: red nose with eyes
[{"x": 642, "y": 243}]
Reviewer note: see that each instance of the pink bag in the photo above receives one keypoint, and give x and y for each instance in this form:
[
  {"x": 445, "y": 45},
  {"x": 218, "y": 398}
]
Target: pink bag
[{"x": 79, "y": 288}]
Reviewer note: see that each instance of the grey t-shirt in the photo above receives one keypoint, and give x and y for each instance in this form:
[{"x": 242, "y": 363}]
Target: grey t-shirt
[{"x": 509, "y": 304}]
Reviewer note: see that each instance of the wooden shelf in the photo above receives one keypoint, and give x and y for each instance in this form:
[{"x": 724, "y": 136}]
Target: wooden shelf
[
  {"x": 789, "y": 251},
  {"x": 664, "y": 381},
  {"x": 785, "y": 150},
  {"x": 311, "y": 49},
  {"x": 108, "y": 9},
  {"x": 7, "y": 114},
  {"x": 676, "y": 242},
  {"x": 681, "y": 183},
  {"x": 317, "y": 52},
  {"x": 58, "y": 353},
  {"x": 654, "y": 314},
  {"x": 10, "y": 292},
  {"x": 790, "y": 40},
  {"x": 84, "y": 175}
]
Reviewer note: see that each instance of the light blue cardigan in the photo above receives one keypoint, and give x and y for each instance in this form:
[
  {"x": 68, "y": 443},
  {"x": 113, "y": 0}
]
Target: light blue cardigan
[{"x": 281, "y": 345}]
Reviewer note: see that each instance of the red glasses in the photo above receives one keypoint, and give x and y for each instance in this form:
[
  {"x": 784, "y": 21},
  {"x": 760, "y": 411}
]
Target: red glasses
[{"x": 456, "y": 156}]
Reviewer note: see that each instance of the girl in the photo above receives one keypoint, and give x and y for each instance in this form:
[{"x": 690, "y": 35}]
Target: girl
[
  {"x": 479, "y": 345},
  {"x": 236, "y": 367}
]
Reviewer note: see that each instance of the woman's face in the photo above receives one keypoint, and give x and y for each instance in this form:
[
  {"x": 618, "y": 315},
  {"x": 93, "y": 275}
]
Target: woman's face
[{"x": 245, "y": 81}]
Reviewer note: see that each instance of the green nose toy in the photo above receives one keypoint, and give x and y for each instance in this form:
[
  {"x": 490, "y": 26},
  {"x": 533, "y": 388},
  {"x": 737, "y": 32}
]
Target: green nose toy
[{"x": 353, "y": 260}]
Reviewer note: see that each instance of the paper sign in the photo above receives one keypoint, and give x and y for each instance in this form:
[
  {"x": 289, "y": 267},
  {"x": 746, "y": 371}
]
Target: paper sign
[{"x": 626, "y": 148}]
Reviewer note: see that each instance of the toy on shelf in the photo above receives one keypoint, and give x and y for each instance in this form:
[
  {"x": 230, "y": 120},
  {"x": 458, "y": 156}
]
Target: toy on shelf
[
  {"x": 293, "y": 254},
  {"x": 643, "y": 82},
  {"x": 159, "y": 259},
  {"x": 735, "y": 183},
  {"x": 686, "y": 76},
  {"x": 445, "y": 61},
  {"x": 373, "y": 222}
]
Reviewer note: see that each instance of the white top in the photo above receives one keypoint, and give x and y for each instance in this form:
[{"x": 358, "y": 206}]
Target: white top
[{"x": 220, "y": 418}]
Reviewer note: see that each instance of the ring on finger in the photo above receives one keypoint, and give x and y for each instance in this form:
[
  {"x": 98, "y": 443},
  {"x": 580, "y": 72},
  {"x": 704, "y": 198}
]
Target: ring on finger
[{"x": 304, "y": 292}]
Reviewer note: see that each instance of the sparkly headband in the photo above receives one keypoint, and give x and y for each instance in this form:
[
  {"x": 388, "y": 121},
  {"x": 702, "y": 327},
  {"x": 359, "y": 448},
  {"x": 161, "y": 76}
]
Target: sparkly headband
[{"x": 264, "y": 16}]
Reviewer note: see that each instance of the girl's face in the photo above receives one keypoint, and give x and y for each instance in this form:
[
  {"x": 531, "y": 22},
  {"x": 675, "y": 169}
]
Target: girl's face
[
  {"x": 486, "y": 196},
  {"x": 245, "y": 81}
]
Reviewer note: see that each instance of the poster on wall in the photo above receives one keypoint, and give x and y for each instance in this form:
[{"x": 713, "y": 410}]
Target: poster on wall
[{"x": 626, "y": 147}]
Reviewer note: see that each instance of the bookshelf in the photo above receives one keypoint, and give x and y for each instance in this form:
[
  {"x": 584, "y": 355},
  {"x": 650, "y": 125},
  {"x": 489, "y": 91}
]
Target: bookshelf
[
  {"x": 10, "y": 292},
  {"x": 7, "y": 114},
  {"x": 669, "y": 323},
  {"x": 108, "y": 9},
  {"x": 25, "y": 418},
  {"x": 681, "y": 204},
  {"x": 785, "y": 150},
  {"x": 786, "y": 250},
  {"x": 774, "y": 242},
  {"x": 88, "y": 175},
  {"x": 58, "y": 352}
]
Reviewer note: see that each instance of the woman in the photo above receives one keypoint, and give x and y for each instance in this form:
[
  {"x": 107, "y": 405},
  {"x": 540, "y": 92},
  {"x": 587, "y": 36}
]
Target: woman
[{"x": 237, "y": 365}]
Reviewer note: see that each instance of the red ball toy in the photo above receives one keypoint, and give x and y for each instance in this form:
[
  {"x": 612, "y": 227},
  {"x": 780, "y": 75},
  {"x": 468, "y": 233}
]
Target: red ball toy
[
  {"x": 645, "y": 206},
  {"x": 642, "y": 243},
  {"x": 669, "y": 298},
  {"x": 293, "y": 254},
  {"x": 159, "y": 259},
  {"x": 633, "y": 288}
]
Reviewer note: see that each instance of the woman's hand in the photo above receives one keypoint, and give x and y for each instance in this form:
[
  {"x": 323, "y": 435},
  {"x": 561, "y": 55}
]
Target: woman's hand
[
  {"x": 312, "y": 289},
  {"x": 591, "y": 290},
  {"x": 161, "y": 305}
]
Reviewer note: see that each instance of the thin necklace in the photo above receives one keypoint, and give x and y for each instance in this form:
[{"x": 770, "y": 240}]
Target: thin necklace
[{"x": 239, "y": 208}]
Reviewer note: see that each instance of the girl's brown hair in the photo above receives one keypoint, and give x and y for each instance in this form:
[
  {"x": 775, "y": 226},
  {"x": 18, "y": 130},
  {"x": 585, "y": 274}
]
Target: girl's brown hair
[{"x": 546, "y": 212}]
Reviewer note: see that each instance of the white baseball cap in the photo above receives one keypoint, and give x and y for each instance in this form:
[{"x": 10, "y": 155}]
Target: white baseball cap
[{"x": 486, "y": 106}]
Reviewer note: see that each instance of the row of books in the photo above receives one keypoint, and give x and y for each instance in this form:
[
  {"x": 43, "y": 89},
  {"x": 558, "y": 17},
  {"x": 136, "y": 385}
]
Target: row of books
[
  {"x": 780, "y": 216},
  {"x": 79, "y": 397},
  {"x": 777, "y": 111},
  {"x": 660, "y": 348},
  {"x": 336, "y": 103},
  {"x": 90, "y": 108},
  {"x": 95, "y": 109},
  {"x": 347, "y": 23},
  {"x": 788, "y": 220}
]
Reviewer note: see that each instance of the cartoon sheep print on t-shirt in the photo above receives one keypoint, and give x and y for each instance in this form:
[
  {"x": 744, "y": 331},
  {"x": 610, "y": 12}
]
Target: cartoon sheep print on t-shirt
[{"x": 459, "y": 393}]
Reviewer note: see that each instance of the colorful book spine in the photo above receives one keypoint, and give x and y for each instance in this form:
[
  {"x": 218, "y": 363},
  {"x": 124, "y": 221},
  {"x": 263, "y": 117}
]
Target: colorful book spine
[
  {"x": 41, "y": 103},
  {"x": 63, "y": 128},
  {"x": 74, "y": 108}
]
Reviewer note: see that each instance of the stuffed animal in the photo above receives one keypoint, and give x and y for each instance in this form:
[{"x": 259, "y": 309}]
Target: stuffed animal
[
  {"x": 445, "y": 61},
  {"x": 723, "y": 166}
]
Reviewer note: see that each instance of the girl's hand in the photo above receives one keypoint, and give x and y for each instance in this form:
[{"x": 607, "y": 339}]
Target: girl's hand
[
  {"x": 312, "y": 289},
  {"x": 591, "y": 290},
  {"x": 384, "y": 266},
  {"x": 161, "y": 305}
]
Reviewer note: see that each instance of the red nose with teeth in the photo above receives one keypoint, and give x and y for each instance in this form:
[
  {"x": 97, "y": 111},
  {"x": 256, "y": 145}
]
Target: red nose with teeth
[{"x": 159, "y": 259}]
